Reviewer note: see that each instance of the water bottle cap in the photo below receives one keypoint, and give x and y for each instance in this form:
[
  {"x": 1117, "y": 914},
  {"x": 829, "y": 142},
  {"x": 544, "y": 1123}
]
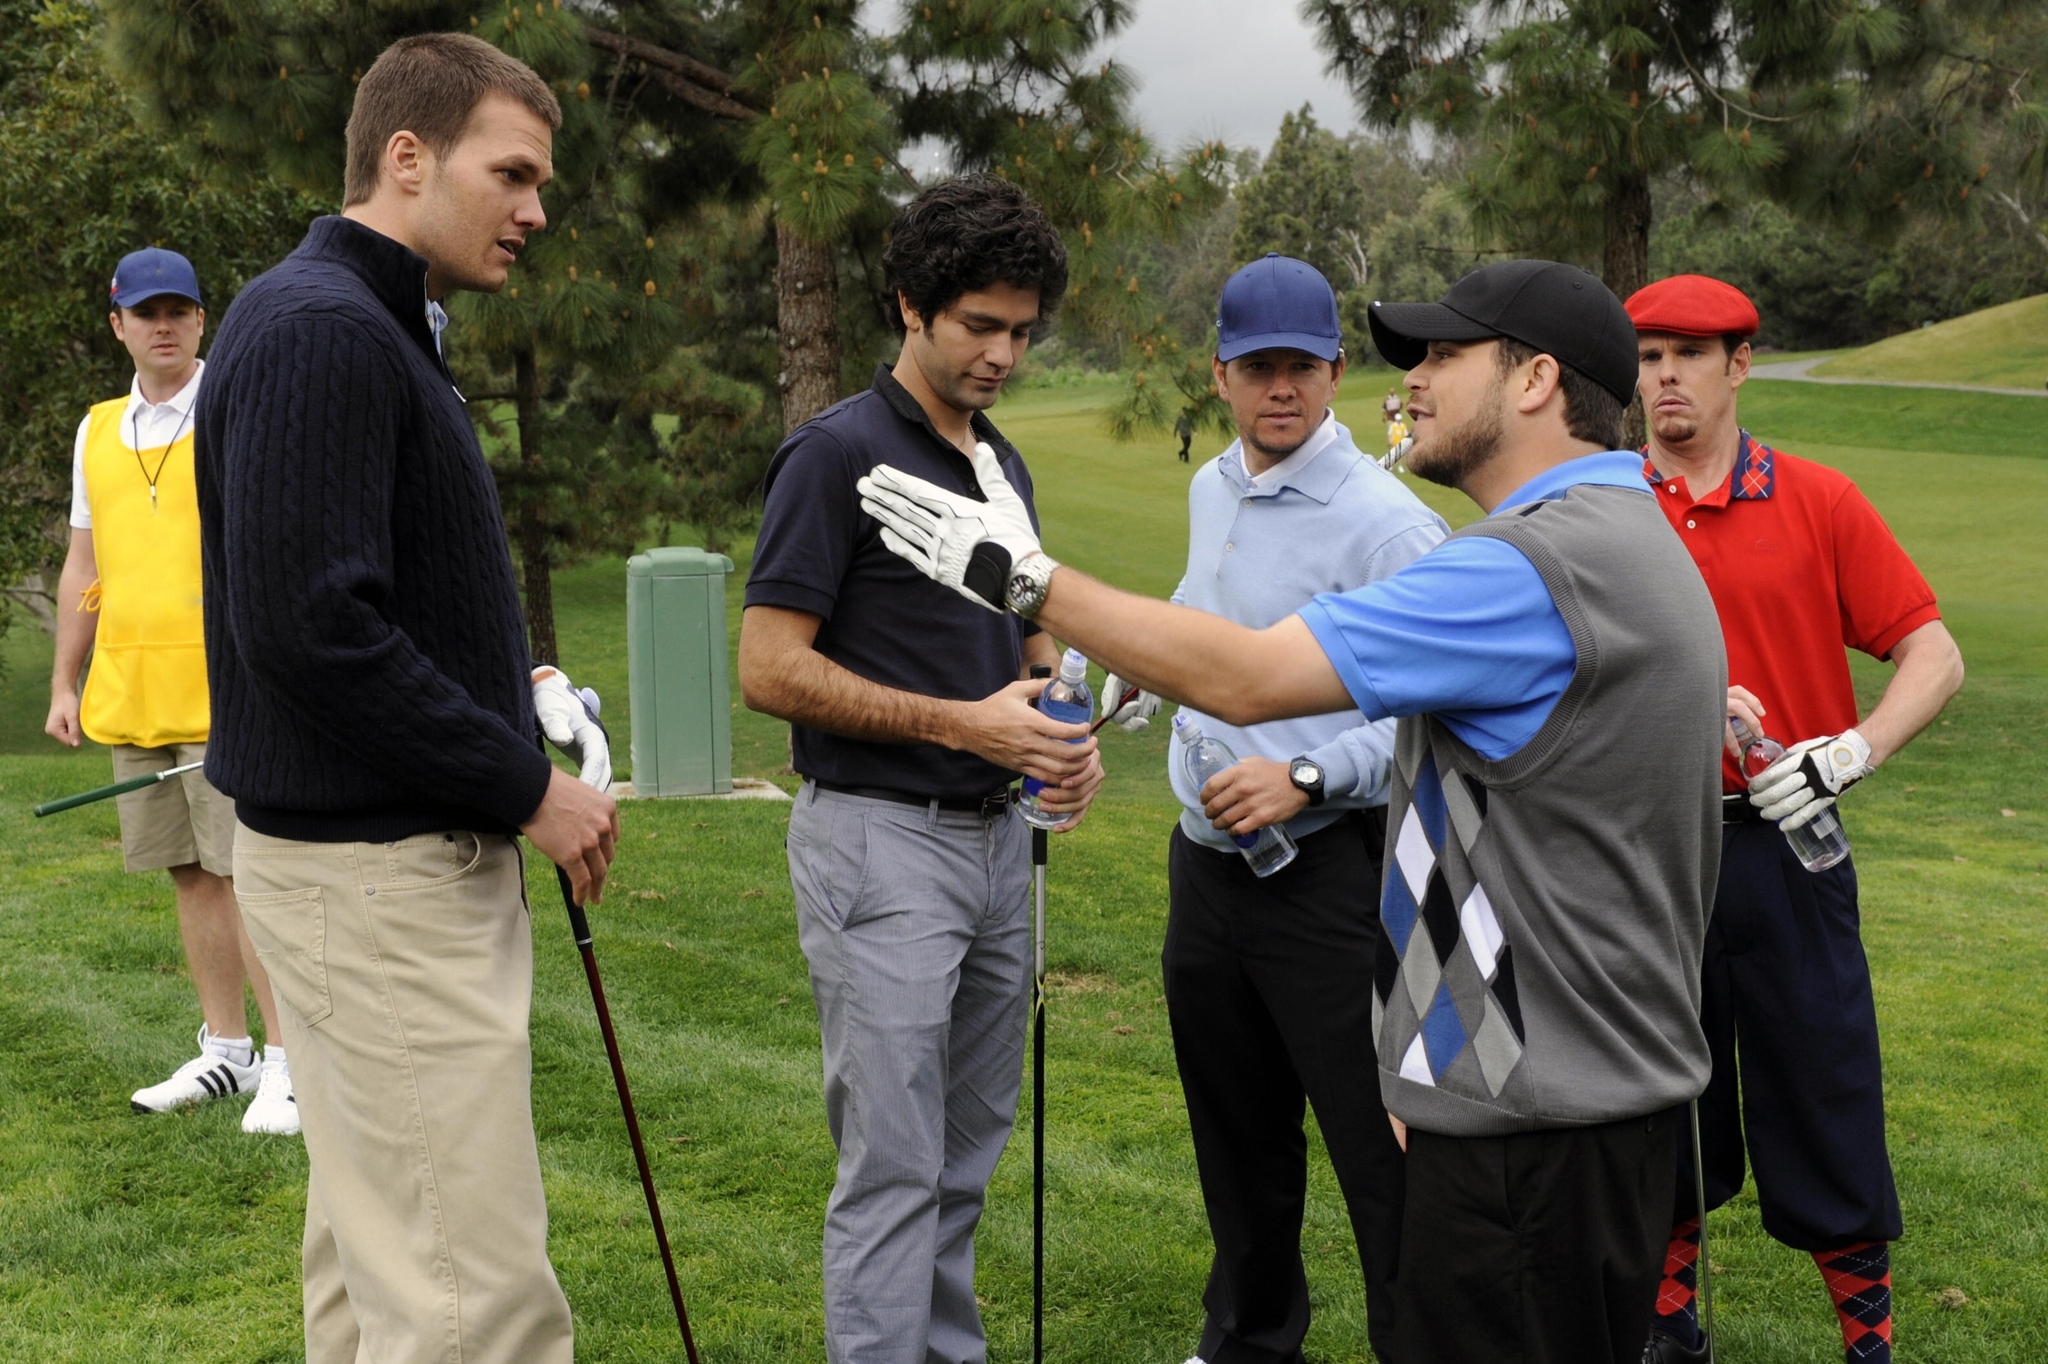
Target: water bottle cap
[
  {"x": 1185, "y": 729},
  {"x": 1073, "y": 665}
]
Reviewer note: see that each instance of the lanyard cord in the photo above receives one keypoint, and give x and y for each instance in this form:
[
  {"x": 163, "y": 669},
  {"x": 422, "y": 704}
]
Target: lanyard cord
[{"x": 135, "y": 430}]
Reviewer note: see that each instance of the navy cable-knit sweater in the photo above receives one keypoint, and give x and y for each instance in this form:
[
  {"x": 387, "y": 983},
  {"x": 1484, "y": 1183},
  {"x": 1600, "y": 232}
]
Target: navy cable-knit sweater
[{"x": 364, "y": 642}]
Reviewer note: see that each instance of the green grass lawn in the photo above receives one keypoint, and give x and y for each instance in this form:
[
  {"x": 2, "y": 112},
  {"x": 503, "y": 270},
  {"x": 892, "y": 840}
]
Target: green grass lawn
[
  {"x": 2002, "y": 347},
  {"x": 125, "y": 1238}
]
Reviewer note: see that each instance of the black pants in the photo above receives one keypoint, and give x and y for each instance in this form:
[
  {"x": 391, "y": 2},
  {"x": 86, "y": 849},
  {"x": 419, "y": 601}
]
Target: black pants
[
  {"x": 1786, "y": 1004},
  {"x": 1269, "y": 990},
  {"x": 1537, "y": 1248}
]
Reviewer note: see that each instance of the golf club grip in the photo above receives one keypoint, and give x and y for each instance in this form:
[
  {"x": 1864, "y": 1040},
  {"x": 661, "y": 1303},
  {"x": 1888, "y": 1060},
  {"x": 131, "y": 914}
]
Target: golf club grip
[
  {"x": 98, "y": 793},
  {"x": 580, "y": 924}
]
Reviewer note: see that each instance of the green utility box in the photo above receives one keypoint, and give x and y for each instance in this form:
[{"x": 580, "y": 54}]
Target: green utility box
[{"x": 675, "y": 645}]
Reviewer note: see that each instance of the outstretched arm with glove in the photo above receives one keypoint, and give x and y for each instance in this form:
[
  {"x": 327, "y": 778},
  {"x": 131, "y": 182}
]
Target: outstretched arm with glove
[{"x": 989, "y": 554}]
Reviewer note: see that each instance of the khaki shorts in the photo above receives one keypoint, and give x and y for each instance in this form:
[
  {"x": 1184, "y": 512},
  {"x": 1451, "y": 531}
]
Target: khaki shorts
[{"x": 173, "y": 823}]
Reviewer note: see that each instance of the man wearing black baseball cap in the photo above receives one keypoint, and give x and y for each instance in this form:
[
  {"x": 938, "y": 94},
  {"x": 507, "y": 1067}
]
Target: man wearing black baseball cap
[{"x": 1553, "y": 834}]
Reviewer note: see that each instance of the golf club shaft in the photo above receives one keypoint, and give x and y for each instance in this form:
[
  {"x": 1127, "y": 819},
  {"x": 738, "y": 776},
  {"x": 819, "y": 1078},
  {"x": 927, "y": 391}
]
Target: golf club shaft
[
  {"x": 1705, "y": 1274},
  {"x": 1108, "y": 711},
  {"x": 119, "y": 788},
  {"x": 579, "y": 924},
  {"x": 1038, "y": 853}
]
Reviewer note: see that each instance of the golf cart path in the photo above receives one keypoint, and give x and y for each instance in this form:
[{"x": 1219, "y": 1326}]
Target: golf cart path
[{"x": 1798, "y": 369}]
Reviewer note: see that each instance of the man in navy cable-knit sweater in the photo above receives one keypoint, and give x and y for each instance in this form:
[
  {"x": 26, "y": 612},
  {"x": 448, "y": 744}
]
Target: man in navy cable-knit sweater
[{"x": 373, "y": 718}]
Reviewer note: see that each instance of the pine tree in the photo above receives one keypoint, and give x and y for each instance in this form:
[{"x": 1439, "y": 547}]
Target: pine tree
[
  {"x": 73, "y": 141},
  {"x": 1306, "y": 202},
  {"x": 1856, "y": 111},
  {"x": 589, "y": 313}
]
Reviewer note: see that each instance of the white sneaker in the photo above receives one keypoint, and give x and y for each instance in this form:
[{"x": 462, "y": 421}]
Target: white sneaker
[
  {"x": 208, "y": 1075},
  {"x": 275, "y": 1109}
]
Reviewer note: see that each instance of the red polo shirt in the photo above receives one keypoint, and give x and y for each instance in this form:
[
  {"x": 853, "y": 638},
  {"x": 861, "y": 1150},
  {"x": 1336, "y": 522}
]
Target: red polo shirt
[{"x": 1800, "y": 565}]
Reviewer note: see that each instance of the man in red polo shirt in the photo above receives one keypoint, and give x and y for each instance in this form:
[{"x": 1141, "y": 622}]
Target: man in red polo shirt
[{"x": 1800, "y": 565}]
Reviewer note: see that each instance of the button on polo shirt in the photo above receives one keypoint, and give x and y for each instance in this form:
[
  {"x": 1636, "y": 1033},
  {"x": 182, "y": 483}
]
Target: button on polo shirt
[
  {"x": 1801, "y": 567},
  {"x": 818, "y": 552}
]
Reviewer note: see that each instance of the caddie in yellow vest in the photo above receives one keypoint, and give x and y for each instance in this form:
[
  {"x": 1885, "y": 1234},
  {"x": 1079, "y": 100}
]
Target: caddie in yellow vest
[{"x": 129, "y": 595}]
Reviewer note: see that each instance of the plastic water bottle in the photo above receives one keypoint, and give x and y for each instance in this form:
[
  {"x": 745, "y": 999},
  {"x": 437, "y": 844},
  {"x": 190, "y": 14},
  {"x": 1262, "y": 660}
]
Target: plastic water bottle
[
  {"x": 1266, "y": 850},
  {"x": 1819, "y": 843},
  {"x": 1066, "y": 699}
]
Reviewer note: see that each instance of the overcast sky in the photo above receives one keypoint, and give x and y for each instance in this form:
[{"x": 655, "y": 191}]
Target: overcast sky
[
  {"x": 1223, "y": 69},
  {"x": 1226, "y": 69}
]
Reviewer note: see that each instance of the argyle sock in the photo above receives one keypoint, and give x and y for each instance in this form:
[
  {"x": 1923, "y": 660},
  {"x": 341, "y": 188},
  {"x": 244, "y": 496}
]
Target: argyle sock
[
  {"x": 1678, "y": 1303},
  {"x": 1859, "y": 1279}
]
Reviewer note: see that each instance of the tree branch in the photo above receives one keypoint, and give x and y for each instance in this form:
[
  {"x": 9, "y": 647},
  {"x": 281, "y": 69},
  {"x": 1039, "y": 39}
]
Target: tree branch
[{"x": 689, "y": 80}]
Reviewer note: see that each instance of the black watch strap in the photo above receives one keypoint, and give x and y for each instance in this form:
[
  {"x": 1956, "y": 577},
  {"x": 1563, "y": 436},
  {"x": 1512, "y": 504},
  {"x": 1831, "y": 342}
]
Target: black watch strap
[{"x": 1314, "y": 790}]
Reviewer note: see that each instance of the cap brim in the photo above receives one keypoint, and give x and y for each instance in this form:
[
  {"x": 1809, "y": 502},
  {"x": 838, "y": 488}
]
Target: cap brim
[
  {"x": 1322, "y": 347},
  {"x": 139, "y": 296},
  {"x": 1401, "y": 332}
]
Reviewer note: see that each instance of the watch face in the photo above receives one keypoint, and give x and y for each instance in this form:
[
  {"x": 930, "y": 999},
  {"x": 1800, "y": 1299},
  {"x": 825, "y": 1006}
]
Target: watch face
[{"x": 1307, "y": 774}]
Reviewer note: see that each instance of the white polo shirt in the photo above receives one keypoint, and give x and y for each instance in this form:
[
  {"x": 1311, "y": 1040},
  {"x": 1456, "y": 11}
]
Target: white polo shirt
[{"x": 144, "y": 425}]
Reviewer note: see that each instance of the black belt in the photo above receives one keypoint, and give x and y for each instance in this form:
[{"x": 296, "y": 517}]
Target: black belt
[
  {"x": 1737, "y": 810},
  {"x": 991, "y": 806}
]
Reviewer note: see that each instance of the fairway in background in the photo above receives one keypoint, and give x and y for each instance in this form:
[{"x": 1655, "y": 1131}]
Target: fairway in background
[
  {"x": 176, "y": 1238},
  {"x": 2002, "y": 347}
]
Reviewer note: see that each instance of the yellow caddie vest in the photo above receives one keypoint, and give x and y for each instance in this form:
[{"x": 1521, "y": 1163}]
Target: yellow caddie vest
[{"x": 147, "y": 683}]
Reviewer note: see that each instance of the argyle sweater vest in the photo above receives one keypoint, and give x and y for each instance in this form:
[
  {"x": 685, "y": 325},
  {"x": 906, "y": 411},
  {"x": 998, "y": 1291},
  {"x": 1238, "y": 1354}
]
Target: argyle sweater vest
[{"x": 1544, "y": 913}]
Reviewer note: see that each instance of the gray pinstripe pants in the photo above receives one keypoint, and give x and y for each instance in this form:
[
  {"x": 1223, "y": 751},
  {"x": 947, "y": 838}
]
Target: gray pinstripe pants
[{"x": 916, "y": 925}]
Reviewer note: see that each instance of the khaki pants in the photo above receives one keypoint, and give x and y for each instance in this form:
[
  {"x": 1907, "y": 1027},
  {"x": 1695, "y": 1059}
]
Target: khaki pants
[
  {"x": 404, "y": 974},
  {"x": 173, "y": 823}
]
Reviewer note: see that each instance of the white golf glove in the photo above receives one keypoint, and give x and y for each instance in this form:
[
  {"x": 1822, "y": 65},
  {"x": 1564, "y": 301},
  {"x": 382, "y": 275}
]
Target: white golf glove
[
  {"x": 1134, "y": 714},
  {"x": 1807, "y": 779},
  {"x": 569, "y": 718},
  {"x": 951, "y": 538}
]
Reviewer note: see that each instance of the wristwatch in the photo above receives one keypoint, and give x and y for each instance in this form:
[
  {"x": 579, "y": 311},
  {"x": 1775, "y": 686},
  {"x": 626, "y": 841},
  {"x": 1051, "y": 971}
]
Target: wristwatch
[
  {"x": 1307, "y": 774},
  {"x": 1030, "y": 580}
]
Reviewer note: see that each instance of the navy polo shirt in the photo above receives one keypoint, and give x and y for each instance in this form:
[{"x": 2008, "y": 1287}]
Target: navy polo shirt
[{"x": 882, "y": 619}]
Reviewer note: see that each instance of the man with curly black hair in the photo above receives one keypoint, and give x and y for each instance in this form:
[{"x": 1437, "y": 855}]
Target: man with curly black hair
[{"x": 911, "y": 716}]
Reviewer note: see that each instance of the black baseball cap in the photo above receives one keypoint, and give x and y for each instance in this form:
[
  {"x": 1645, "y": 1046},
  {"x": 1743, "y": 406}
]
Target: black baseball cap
[{"x": 1559, "y": 309}]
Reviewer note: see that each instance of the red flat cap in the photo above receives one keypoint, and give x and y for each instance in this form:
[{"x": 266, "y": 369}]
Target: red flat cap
[{"x": 1692, "y": 305}]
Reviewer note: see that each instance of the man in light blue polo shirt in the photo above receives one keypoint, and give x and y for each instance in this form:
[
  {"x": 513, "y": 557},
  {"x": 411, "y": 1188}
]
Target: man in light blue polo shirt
[
  {"x": 1269, "y": 981},
  {"x": 1558, "y": 673}
]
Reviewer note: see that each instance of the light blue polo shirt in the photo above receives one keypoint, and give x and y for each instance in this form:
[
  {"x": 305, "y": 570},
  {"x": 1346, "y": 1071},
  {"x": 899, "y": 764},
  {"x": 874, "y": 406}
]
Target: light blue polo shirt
[
  {"x": 1468, "y": 632},
  {"x": 1325, "y": 519}
]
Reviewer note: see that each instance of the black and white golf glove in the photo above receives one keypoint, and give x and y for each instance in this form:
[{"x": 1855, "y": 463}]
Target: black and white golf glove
[
  {"x": 951, "y": 538},
  {"x": 1807, "y": 779}
]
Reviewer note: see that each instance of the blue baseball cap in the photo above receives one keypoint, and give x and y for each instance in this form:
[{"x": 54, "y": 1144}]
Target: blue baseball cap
[
  {"x": 144, "y": 274},
  {"x": 1278, "y": 302}
]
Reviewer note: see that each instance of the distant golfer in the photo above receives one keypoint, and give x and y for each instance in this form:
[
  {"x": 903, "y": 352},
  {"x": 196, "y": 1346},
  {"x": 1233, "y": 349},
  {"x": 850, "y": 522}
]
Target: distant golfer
[
  {"x": 1184, "y": 427},
  {"x": 129, "y": 593},
  {"x": 1555, "y": 812},
  {"x": 1269, "y": 981},
  {"x": 909, "y": 863},
  {"x": 1800, "y": 565},
  {"x": 375, "y": 722}
]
